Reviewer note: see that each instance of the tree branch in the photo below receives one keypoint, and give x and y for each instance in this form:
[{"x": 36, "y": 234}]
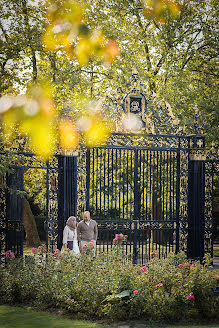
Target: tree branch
[{"x": 33, "y": 55}]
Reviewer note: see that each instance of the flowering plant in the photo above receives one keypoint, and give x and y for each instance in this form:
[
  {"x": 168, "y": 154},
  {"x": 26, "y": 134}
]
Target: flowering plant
[
  {"x": 119, "y": 238},
  {"x": 9, "y": 255},
  {"x": 111, "y": 287},
  {"x": 39, "y": 251}
]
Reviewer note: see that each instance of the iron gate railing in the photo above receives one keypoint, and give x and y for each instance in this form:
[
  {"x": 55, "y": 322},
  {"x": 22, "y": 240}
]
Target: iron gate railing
[
  {"x": 135, "y": 190},
  {"x": 136, "y": 185}
]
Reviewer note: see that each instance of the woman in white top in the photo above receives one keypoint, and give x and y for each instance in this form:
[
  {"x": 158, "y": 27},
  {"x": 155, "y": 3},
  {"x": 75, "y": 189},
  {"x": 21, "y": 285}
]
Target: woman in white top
[{"x": 70, "y": 239}]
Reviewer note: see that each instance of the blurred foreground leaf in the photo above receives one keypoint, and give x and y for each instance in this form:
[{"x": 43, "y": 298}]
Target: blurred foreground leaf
[{"x": 160, "y": 9}]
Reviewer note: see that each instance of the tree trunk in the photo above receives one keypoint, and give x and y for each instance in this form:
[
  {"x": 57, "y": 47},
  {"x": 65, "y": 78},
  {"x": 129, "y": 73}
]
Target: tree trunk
[{"x": 32, "y": 237}]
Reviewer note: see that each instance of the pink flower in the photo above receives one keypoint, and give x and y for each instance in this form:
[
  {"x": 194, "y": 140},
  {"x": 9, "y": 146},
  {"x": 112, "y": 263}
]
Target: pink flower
[
  {"x": 146, "y": 279},
  {"x": 142, "y": 292},
  {"x": 126, "y": 236},
  {"x": 155, "y": 259},
  {"x": 192, "y": 266},
  {"x": 180, "y": 265},
  {"x": 56, "y": 251},
  {"x": 9, "y": 254},
  {"x": 159, "y": 285},
  {"x": 135, "y": 292},
  {"x": 115, "y": 239},
  {"x": 44, "y": 250},
  {"x": 190, "y": 297},
  {"x": 84, "y": 246},
  {"x": 34, "y": 249},
  {"x": 216, "y": 277},
  {"x": 155, "y": 281},
  {"x": 152, "y": 254},
  {"x": 143, "y": 269},
  {"x": 116, "y": 235}
]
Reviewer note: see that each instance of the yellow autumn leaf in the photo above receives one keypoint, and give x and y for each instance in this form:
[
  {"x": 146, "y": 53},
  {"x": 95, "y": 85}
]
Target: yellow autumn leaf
[
  {"x": 68, "y": 135},
  {"x": 96, "y": 134},
  {"x": 42, "y": 139},
  {"x": 111, "y": 51}
]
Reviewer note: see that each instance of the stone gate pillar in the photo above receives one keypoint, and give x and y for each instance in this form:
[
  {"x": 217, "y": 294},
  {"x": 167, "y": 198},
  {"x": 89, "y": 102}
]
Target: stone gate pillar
[
  {"x": 67, "y": 191},
  {"x": 196, "y": 198}
]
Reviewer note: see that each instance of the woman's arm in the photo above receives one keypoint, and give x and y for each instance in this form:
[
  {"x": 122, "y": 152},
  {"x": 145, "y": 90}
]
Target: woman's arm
[{"x": 65, "y": 237}]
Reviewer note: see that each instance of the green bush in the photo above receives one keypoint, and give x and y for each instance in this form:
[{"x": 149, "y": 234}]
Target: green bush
[{"x": 111, "y": 287}]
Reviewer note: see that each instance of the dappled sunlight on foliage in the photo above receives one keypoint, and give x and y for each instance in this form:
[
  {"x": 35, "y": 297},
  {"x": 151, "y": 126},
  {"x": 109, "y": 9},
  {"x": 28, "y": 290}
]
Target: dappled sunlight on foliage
[
  {"x": 34, "y": 114},
  {"x": 160, "y": 9},
  {"x": 97, "y": 133},
  {"x": 65, "y": 18},
  {"x": 67, "y": 31}
]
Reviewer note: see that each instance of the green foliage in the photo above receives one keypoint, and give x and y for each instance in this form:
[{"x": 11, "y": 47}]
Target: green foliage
[
  {"x": 110, "y": 287},
  {"x": 176, "y": 60}
]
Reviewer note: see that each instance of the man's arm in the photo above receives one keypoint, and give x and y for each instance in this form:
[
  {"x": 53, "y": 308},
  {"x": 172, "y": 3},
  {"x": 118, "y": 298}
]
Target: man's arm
[
  {"x": 79, "y": 232},
  {"x": 95, "y": 231}
]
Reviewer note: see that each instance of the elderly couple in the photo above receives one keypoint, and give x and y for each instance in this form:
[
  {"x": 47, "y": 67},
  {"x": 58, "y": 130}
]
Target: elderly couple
[{"x": 83, "y": 232}]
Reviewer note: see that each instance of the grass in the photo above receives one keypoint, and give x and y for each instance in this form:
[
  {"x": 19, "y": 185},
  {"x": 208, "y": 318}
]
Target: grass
[
  {"x": 15, "y": 317},
  {"x": 216, "y": 250}
]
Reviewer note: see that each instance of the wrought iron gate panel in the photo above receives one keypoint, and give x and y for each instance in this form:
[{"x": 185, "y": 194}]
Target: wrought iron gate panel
[
  {"x": 2, "y": 215},
  {"x": 21, "y": 162},
  {"x": 211, "y": 170},
  {"x": 52, "y": 204},
  {"x": 82, "y": 174},
  {"x": 14, "y": 210},
  {"x": 183, "y": 203},
  {"x": 135, "y": 191}
]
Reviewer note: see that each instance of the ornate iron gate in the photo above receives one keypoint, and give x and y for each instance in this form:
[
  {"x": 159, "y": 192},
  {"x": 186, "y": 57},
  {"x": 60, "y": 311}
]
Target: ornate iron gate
[
  {"x": 142, "y": 186},
  {"x": 156, "y": 189},
  {"x": 135, "y": 190},
  {"x": 11, "y": 200}
]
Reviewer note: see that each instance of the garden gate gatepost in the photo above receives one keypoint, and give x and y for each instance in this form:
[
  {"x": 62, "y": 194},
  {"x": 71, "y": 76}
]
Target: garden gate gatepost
[
  {"x": 196, "y": 198},
  {"x": 67, "y": 191},
  {"x": 14, "y": 211}
]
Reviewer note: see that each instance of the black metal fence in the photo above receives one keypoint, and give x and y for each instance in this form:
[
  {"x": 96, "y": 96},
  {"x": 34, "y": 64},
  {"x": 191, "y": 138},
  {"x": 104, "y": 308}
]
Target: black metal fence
[
  {"x": 135, "y": 190},
  {"x": 156, "y": 189}
]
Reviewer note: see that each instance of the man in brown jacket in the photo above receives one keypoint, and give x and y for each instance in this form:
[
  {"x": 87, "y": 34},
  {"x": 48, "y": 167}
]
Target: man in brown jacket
[{"x": 87, "y": 231}]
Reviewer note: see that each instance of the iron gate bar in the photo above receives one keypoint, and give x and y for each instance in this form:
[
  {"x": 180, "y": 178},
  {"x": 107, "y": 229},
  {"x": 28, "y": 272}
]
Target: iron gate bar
[
  {"x": 108, "y": 186},
  {"x": 164, "y": 136},
  {"x": 139, "y": 148},
  {"x": 136, "y": 186},
  {"x": 47, "y": 204},
  {"x": 88, "y": 179},
  {"x": 99, "y": 171},
  {"x": 96, "y": 177},
  {"x": 177, "y": 200}
]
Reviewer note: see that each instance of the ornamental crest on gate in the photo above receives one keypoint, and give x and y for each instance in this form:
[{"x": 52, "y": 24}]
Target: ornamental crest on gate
[{"x": 135, "y": 101}]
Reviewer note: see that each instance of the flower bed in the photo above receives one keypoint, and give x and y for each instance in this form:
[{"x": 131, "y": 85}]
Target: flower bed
[{"x": 111, "y": 287}]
